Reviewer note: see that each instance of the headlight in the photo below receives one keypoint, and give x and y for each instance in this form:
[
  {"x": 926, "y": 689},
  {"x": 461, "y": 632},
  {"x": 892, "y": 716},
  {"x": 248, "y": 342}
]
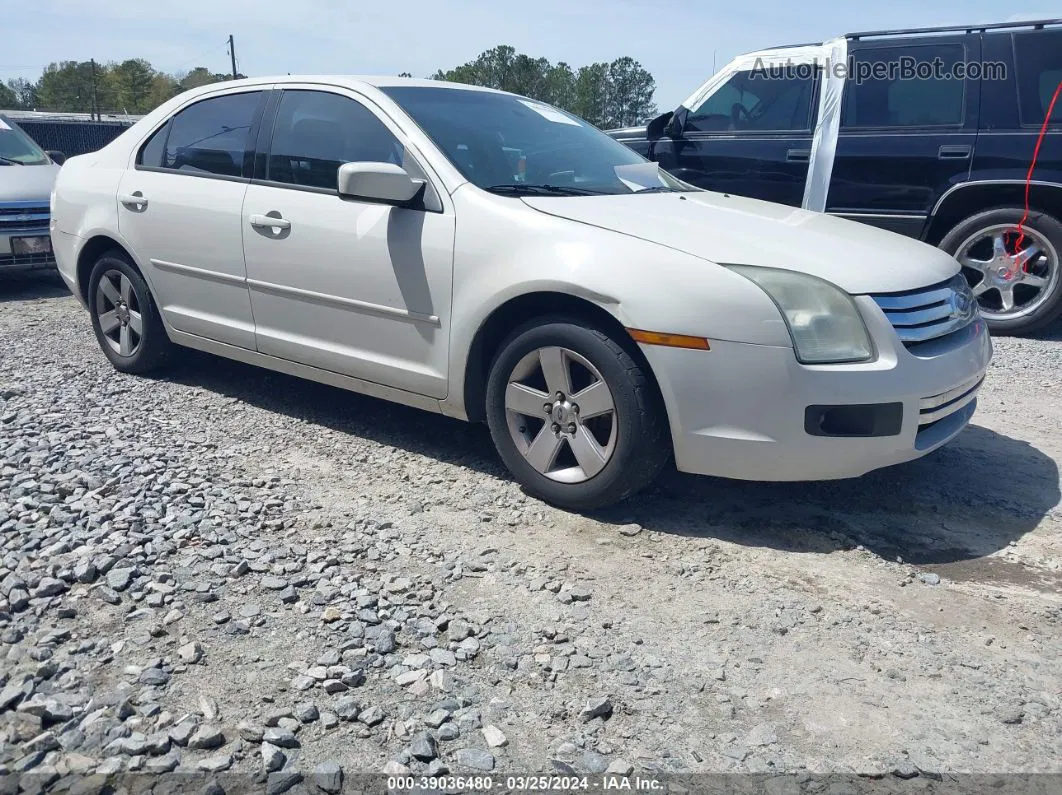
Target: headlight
[{"x": 823, "y": 320}]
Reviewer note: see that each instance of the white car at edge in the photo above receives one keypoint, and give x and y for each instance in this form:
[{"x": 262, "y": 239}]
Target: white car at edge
[{"x": 490, "y": 257}]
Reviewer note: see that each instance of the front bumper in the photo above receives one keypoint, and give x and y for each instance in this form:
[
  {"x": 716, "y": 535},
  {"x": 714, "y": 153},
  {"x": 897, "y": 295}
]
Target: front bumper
[
  {"x": 741, "y": 410},
  {"x": 11, "y": 262}
]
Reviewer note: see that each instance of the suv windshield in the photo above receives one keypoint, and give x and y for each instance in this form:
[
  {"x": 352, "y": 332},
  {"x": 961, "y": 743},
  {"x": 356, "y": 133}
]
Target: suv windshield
[
  {"x": 17, "y": 148},
  {"x": 515, "y": 146}
]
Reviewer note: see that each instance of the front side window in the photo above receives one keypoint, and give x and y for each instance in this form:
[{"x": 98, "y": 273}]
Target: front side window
[
  {"x": 905, "y": 87},
  {"x": 513, "y": 145},
  {"x": 757, "y": 101},
  {"x": 210, "y": 137},
  {"x": 1038, "y": 57},
  {"x": 17, "y": 148},
  {"x": 316, "y": 132}
]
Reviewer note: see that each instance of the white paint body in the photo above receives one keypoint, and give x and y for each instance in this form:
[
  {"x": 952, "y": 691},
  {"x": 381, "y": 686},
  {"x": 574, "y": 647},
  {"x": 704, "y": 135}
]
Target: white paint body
[{"x": 387, "y": 301}]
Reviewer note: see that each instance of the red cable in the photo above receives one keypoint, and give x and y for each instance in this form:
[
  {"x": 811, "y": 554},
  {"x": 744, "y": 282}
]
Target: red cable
[{"x": 1032, "y": 168}]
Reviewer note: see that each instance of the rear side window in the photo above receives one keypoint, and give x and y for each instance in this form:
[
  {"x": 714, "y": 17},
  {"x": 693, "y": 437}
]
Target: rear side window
[
  {"x": 316, "y": 132},
  {"x": 212, "y": 137},
  {"x": 885, "y": 87},
  {"x": 1038, "y": 58},
  {"x": 151, "y": 154}
]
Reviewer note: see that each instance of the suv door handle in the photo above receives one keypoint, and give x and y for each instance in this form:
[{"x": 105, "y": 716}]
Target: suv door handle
[
  {"x": 957, "y": 152},
  {"x": 134, "y": 201},
  {"x": 798, "y": 155},
  {"x": 269, "y": 222}
]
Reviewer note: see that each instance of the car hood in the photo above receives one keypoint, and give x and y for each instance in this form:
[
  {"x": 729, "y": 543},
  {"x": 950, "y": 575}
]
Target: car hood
[
  {"x": 27, "y": 183},
  {"x": 737, "y": 231}
]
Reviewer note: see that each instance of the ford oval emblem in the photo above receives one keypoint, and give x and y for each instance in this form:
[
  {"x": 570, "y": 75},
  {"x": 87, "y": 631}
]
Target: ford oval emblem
[{"x": 960, "y": 304}]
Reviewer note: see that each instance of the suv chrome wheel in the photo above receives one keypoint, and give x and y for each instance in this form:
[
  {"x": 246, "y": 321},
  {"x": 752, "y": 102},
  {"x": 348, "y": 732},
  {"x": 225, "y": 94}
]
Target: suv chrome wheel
[
  {"x": 118, "y": 311},
  {"x": 561, "y": 414},
  {"x": 1009, "y": 284}
]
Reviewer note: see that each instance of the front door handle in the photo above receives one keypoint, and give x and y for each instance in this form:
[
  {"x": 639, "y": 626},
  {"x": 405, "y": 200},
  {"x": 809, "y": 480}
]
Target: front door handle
[
  {"x": 134, "y": 201},
  {"x": 270, "y": 222},
  {"x": 956, "y": 152},
  {"x": 798, "y": 155}
]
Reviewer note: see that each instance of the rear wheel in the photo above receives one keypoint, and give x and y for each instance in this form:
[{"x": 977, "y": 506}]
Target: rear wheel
[
  {"x": 1016, "y": 275},
  {"x": 574, "y": 417},
  {"x": 124, "y": 316}
]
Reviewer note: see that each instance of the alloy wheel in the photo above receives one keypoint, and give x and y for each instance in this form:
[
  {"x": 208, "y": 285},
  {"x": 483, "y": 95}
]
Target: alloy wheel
[
  {"x": 118, "y": 312},
  {"x": 1009, "y": 283},
  {"x": 561, "y": 414}
]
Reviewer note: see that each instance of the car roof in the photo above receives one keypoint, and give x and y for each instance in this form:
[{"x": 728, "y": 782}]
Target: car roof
[{"x": 355, "y": 81}]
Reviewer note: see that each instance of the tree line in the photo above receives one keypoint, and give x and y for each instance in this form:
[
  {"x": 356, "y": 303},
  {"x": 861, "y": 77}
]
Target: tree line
[
  {"x": 132, "y": 86},
  {"x": 613, "y": 94}
]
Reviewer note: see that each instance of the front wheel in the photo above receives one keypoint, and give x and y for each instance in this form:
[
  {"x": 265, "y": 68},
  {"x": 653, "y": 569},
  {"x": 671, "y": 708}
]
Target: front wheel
[
  {"x": 574, "y": 417},
  {"x": 1016, "y": 276}
]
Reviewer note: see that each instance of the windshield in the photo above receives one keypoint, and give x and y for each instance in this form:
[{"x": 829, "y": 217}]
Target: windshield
[
  {"x": 16, "y": 147},
  {"x": 513, "y": 146}
]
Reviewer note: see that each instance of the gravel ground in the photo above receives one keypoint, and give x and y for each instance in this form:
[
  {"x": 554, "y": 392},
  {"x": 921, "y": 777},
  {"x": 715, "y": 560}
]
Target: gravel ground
[{"x": 230, "y": 570}]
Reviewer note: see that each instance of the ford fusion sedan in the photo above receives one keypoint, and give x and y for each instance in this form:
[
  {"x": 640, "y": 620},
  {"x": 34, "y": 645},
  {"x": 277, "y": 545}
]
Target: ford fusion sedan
[{"x": 493, "y": 258}]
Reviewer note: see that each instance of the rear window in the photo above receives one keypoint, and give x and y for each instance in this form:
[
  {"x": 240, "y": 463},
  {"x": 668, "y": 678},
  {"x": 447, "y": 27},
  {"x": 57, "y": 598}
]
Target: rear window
[
  {"x": 211, "y": 137},
  {"x": 1038, "y": 59}
]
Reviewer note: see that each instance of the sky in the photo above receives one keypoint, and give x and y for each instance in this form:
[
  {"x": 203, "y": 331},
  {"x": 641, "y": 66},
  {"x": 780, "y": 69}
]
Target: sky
[{"x": 675, "y": 40}]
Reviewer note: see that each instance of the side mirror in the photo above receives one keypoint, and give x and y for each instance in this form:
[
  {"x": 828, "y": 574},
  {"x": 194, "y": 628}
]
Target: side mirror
[
  {"x": 659, "y": 126},
  {"x": 383, "y": 183},
  {"x": 57, "y": 157}
]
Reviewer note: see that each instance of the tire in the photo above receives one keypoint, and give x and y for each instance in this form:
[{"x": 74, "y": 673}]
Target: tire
[
  {"x": 126, "y": 304},
  {"x": 629, "y": 446},
  {"x": 1034, "y": 304}
]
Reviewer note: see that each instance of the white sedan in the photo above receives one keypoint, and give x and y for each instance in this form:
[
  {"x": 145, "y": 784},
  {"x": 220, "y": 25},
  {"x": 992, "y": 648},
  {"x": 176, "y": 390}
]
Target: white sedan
[{"x": 489, "y": 257}]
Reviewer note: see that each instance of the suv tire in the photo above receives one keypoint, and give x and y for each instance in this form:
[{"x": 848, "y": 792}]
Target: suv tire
[{"x": 1035, "y": 294}]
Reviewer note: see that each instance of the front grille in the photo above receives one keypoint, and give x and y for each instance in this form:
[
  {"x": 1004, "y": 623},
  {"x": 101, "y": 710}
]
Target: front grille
[
  {"x": 930, "y": 312},
  {"x": 23, "y": 217},
  {"x": 937, "y": 407}
]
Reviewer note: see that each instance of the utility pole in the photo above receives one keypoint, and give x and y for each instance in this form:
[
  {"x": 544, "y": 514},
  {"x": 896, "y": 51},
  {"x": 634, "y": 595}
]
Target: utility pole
[
  {"x": 95, "y": 103},
  {"x": 232, "y": 52}
]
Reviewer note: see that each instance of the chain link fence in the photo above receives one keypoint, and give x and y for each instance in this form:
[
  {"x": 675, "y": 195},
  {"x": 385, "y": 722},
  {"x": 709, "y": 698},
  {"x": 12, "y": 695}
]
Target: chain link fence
[{"x": 68, "y": 134}]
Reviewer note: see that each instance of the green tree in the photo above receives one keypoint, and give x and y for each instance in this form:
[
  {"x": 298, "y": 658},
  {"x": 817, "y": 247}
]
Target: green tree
[
  {"x": 631, "y": 90},
  {"x": 8, "y": 98},
  {"x": 25, "y": 93},
  {"x": 560, "y": 86},
  {"x": 66, "y": 86},
  {"x": 592, "y": 94},
  {"x": 132, "y": 82},
  {"x": 607, "y": 95},
  {"x": 200, "y": 76}
]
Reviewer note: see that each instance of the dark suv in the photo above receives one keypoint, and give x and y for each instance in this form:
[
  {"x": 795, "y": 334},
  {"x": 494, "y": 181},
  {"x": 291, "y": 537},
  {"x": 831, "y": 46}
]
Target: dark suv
[{"x": 927, "y": 132}]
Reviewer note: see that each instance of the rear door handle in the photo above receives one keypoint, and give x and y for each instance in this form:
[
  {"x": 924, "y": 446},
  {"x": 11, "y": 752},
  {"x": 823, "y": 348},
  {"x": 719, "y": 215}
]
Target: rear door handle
[
  {"x": 798, "y": 155},
  {"x": 269, "y": 222},
  {"x": 957, "y": 152},
  {"x": 135, "y": 200}
]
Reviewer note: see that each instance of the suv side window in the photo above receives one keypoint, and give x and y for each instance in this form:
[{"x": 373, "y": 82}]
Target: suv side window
[
  {"x": 211, "y": 137},
  {"x": 316, "y": 132},
  {"x": 887, "y": 98},
  {"x": 756, "y": 102},
  {"x": 1038, "y": 59}
]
